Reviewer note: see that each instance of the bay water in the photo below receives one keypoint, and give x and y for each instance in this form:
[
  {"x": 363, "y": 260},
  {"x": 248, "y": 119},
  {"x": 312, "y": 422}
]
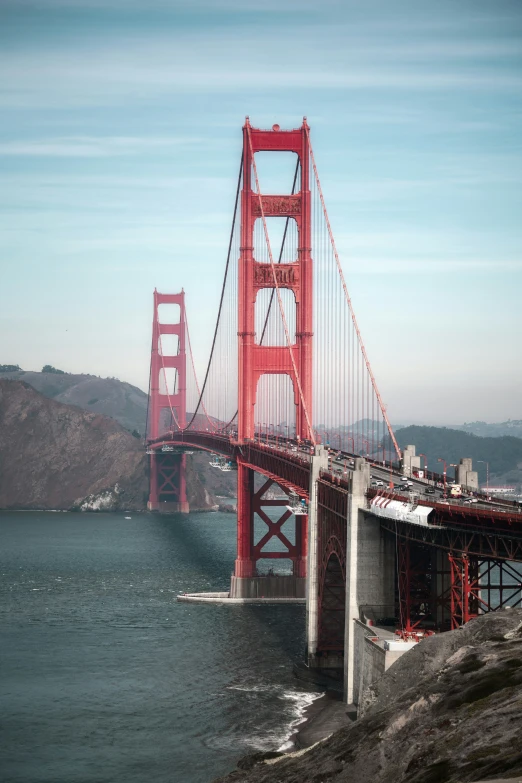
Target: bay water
[{"x": 105, "y": 678}]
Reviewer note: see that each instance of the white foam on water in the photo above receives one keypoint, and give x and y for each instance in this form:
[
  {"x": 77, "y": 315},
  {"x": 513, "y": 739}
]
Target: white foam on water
[
  {"x": 252, "y": 688},
  {"x": 296, "y": 702},
  {"x": 302, "y": 701}
]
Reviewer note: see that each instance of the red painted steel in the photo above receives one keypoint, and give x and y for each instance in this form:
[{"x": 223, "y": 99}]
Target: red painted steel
[
  {"x": 469, "y": 537},
  {"x": 465, "y": 588},
  {"x": 167, "y": 471},
  {"x": 159, "y": 363},
  {"x": 255, "y": 360}
]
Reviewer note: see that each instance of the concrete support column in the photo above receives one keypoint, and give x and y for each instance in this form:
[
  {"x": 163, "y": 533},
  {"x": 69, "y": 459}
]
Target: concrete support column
[
  {"x": 465, "y": 475},
  {"x": 370, "y": 569},
  {"x": 152, "y": 504},
  {"x": 317, "y": 463},
  {"x": 245, "y": 565},
  {"x": 356, "y": 501}
]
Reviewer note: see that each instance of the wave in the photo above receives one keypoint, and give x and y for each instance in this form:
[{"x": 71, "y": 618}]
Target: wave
[
  {"x": 301, "y": 700},
  {"x": 289, "y": 715}
]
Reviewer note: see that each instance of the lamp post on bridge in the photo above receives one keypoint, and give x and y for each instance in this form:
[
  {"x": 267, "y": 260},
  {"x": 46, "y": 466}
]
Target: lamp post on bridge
[
  {"x": 487, "y": 474},
  {"x": 439, "y": 459},
  {"x": 367, "y": 446}
]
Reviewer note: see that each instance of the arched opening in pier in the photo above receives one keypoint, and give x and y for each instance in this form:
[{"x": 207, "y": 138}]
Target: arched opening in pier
[{"x": 332, "y": 607}]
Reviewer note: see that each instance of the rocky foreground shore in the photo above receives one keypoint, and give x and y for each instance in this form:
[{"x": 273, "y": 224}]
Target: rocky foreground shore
[{"x": 449, "y": 711}]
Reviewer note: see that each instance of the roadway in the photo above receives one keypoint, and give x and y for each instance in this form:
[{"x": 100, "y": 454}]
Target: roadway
[
  {"x": 342, "y": 462},
  {"x": 430, "y": 491}
]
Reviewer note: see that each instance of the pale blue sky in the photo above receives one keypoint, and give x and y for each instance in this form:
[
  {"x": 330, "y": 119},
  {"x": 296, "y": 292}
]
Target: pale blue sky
[{"x": 120, "y": 136}]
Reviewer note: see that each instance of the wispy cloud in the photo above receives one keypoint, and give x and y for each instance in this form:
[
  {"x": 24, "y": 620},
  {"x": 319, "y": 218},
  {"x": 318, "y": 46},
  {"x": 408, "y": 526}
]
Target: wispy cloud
[
  {"x": 429, "y": 266},
  {"x": 96, "y": 147},
  {"x": 131, "y": 67}
]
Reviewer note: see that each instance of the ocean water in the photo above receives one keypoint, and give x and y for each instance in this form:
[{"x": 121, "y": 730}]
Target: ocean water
[{"x": 105, "y": 678}]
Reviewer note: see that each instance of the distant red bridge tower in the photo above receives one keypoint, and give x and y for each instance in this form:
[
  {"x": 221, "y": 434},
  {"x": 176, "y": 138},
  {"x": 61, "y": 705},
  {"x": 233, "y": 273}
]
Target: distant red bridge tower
[{"x": 167, "y": 409}]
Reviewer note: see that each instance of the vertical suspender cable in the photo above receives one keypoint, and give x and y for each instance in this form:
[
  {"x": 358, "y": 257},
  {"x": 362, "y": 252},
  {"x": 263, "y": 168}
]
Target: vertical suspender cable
[{"x": 349, "y": 302}]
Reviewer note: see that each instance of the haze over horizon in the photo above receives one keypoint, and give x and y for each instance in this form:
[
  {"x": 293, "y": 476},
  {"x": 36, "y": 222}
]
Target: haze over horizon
[{"x": 119, "y": 147}]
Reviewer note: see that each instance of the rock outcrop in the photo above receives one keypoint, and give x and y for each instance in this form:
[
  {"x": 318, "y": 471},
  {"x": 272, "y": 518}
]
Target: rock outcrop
[
  {"x": 56, "y": 456},
  {"x": 127, "y": 405},
  {"x": 449, "y": 711}
]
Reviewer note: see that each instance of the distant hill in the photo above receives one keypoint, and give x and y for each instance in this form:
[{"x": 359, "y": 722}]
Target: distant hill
[
  {"x": 494, "y": 430},
  {"x": 108, "y": 396},
  {"x": 503, "y": 454}
]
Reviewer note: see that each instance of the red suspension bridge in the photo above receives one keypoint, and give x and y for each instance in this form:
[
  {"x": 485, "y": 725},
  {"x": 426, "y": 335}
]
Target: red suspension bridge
[{"x": 289, "y": 394}]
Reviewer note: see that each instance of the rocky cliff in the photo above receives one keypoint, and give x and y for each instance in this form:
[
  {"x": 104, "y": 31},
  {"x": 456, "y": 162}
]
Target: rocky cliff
[
  {"x": 449, "y": 711},
  {"x": 128, "y": 405},
  {"x": 58, "y": 456}
]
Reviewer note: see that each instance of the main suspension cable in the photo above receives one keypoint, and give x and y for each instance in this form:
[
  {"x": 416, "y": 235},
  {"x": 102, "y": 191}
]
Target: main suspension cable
[
  {"x": 195, "y": 375},
  {"x": 222, "y": 295}
]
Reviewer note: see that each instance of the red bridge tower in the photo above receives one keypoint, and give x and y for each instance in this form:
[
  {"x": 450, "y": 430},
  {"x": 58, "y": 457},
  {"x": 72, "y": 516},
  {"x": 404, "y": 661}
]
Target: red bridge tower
[
  {"x": 256, "y": 360},
  {"x": 168, "y": 410}
]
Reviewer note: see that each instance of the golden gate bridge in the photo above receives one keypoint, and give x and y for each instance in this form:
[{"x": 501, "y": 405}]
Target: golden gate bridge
[{"x": 289, "y": 394}]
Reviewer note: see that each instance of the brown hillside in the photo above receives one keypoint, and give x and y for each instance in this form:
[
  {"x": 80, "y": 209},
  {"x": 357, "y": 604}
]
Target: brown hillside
[{"x": 56, "y": 456}]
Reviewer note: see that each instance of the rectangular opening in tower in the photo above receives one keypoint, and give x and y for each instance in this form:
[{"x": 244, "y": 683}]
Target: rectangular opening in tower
[
  {"x": 168, "y": 380},
  {"x": 269, "y": 321},
  {"x": 168, "y": 344},
  {"x": 283, "y": 236},
  {"x": 276, "y": 171},
  {"x": 169, "y": 313},
  {"x": 274, "y": 410},
  {"x": 281, "y": 566}
]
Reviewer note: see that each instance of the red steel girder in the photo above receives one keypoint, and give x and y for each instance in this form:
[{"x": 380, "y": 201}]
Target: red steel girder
[
  {"x": 415, "y": 585},
  {"x": 465, "y": 589},
  {"x": 483, "y": 545},
  {"x": 250, "y": 503}
]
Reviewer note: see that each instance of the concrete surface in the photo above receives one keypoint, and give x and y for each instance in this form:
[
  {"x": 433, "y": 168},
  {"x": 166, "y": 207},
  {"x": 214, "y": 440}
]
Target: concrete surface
[{"x": 224, "y": 598}]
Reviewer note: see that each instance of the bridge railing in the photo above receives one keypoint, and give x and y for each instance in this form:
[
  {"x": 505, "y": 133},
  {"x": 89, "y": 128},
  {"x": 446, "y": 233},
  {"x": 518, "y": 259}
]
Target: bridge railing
[
  {"x": 292, "y": 469},
  {"x": 480, "y": 519}
]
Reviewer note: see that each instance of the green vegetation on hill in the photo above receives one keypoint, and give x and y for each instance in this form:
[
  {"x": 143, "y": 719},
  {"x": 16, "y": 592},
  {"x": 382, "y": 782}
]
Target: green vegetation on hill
[
  {"x": 503, "y": 454},
  {"x": 10, "y": 368},
  {"x": 50, "y": 368}
]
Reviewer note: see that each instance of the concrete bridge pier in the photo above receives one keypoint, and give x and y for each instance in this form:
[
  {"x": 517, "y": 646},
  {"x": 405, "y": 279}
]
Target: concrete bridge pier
[
  {"x": 370, "y": 568},
  {"x": 318, "y": 463}
]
